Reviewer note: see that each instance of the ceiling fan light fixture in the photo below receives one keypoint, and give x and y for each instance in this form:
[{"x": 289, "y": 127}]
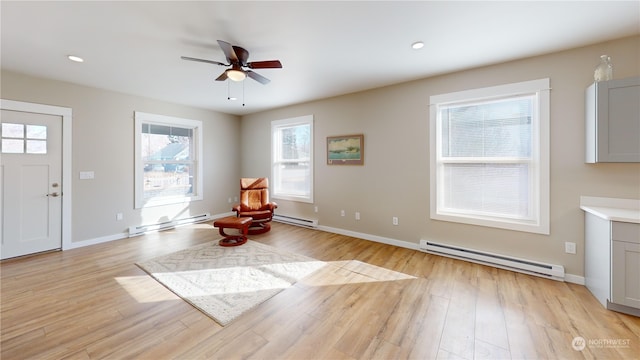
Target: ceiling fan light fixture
[{"x": 236, "y": 75}]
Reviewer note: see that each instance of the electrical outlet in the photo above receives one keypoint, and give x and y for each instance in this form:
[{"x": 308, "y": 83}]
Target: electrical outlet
[
  {"x": 315, "y": 209},
  {"x": 229, "y": 200},
  {"x": 357, "y": 215},
  {"x": 119, "y": 216},
  {"x": 570, "y": 247},
  {"x": 342, "y": 213},
  {"x": 394, "y": 220}
]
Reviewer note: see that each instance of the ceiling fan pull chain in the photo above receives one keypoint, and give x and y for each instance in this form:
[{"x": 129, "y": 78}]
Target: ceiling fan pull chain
[{"x": 243, "y": 93}]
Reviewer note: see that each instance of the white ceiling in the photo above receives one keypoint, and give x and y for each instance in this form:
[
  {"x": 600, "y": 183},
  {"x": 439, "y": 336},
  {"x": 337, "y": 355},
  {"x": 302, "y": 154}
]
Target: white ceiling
[{"x": 326, "y": 48}]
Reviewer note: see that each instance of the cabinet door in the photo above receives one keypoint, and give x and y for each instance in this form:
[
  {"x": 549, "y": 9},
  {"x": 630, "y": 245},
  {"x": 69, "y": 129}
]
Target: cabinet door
[
  {"x": 618, "y": 120},
  {"x": 625, "y": 279}
]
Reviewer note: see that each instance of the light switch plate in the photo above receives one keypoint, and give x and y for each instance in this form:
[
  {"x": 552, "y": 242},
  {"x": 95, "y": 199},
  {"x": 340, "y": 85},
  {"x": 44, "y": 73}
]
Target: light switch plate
[{"x": 86, "y": 175}]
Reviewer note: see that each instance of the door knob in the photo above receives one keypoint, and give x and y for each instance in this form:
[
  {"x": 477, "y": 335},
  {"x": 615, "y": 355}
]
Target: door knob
[{"x": 55, "y": 194}]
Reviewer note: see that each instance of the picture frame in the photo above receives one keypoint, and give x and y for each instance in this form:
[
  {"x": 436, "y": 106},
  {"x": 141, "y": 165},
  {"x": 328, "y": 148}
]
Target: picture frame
[{"x": 345, "y": 150}]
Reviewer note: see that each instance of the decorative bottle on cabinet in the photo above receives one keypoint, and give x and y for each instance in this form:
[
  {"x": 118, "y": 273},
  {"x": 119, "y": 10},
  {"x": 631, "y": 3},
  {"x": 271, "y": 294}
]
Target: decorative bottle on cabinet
[{"x": 604, "y": 71}]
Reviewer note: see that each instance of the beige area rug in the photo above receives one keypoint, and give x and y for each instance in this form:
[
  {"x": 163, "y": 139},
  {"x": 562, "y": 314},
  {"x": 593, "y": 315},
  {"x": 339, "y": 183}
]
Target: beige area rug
[{"x": 225, "y": 282}]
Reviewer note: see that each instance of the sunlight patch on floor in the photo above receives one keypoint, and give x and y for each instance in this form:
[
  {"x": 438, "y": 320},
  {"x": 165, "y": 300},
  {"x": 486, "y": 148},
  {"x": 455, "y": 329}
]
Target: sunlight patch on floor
[
  {"x": 145, "y": 289},
  {"x": 352, "y": 272}
]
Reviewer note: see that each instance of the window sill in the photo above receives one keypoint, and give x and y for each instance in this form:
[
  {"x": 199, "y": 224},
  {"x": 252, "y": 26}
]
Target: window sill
[
  {"x": 167, "y": 201},
  {"x": 506, "y": 224}
]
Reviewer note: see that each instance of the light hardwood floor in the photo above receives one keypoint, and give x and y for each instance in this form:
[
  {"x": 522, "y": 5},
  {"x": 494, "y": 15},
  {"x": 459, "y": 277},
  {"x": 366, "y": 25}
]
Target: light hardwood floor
[{"x": 372, "y": 301}]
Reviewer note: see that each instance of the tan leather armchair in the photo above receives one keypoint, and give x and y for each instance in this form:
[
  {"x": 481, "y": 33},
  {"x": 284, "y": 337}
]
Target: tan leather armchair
[{"x": 254, "y": 203}]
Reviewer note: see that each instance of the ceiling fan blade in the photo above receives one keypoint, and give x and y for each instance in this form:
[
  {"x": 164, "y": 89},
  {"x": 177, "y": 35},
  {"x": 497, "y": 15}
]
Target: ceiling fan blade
[
  {"x": 268, "y": 64},
  {"x": 222, "y": 76},
  {"x": 202, "y": 60},
  {"x": 257, "y": 77},
  {"x": 228, "y": 51},
  {"x": 242, "y": 54}
]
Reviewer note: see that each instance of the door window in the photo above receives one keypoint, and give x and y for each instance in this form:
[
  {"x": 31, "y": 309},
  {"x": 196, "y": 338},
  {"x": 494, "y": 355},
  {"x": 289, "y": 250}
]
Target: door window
[{"x": 24, "y": 139}]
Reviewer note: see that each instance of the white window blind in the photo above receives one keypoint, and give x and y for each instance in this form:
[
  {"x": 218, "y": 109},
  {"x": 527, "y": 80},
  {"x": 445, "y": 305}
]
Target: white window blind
[{"x": 490, "y": 157}]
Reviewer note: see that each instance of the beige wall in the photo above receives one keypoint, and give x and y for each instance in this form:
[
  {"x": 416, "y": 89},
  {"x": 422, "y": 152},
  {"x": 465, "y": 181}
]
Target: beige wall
[
  {"x": 103, "y": 140},
  {"x": 395, "y": 178}
]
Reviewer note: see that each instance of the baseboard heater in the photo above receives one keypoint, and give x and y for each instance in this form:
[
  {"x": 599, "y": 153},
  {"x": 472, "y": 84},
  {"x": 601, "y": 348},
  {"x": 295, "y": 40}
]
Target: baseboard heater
[
  {"x": 139, "y": 230},
  {"x": 310, "y": 223},
  {"x": 549, "y": 271}
]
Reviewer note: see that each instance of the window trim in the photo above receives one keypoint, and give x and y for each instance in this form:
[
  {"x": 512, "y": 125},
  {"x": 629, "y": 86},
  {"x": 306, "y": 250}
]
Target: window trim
[
  {"x": 540, "y": 156},
  {"x": 277, "y": 124},
  {"x": 196, "y": 126}
]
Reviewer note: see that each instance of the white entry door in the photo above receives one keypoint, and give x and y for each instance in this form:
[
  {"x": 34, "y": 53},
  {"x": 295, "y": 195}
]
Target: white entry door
[{"x": 30, "y": 183}]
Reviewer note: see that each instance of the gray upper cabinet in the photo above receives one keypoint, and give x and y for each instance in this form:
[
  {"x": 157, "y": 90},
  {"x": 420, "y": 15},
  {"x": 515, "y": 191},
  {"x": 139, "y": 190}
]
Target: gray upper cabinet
[{"x": 613, "y": 121}]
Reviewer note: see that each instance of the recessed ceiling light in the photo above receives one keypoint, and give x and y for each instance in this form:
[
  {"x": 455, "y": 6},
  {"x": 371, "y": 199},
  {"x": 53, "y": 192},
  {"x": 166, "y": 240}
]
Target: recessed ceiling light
[
  {"x": 75, "y": 58},
  {"x": 417, "y": 45}
]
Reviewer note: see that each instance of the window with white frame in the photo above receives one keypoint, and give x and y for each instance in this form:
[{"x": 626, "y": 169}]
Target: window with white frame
[
  {"x": 292, "y": 159},
  {"x": 168, "y": 160},
  {"x": 490, "y": 156}
]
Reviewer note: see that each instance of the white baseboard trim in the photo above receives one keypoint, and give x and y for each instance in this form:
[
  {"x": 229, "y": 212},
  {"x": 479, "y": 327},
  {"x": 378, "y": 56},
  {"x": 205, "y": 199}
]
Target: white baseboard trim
[
  {"x": 95, "y": 241},
  {"x": 138, "y": 230},
  {"x": 570, "y": 278},
  {"x": 219, "y": 216},
  {"x": 574, "y": 279},
  {"x": 380, "y": 239},
  {"x": 120, "y": 236}
]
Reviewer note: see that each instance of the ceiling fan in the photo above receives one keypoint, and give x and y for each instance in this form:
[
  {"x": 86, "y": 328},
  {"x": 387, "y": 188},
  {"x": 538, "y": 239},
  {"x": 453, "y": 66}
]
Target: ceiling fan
[{"x": 237, "y": 58}]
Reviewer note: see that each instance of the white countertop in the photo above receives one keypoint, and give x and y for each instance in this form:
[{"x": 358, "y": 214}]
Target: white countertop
[
  {"x": 625, "y": 210},
  {"x": 614, "y": 214}
]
